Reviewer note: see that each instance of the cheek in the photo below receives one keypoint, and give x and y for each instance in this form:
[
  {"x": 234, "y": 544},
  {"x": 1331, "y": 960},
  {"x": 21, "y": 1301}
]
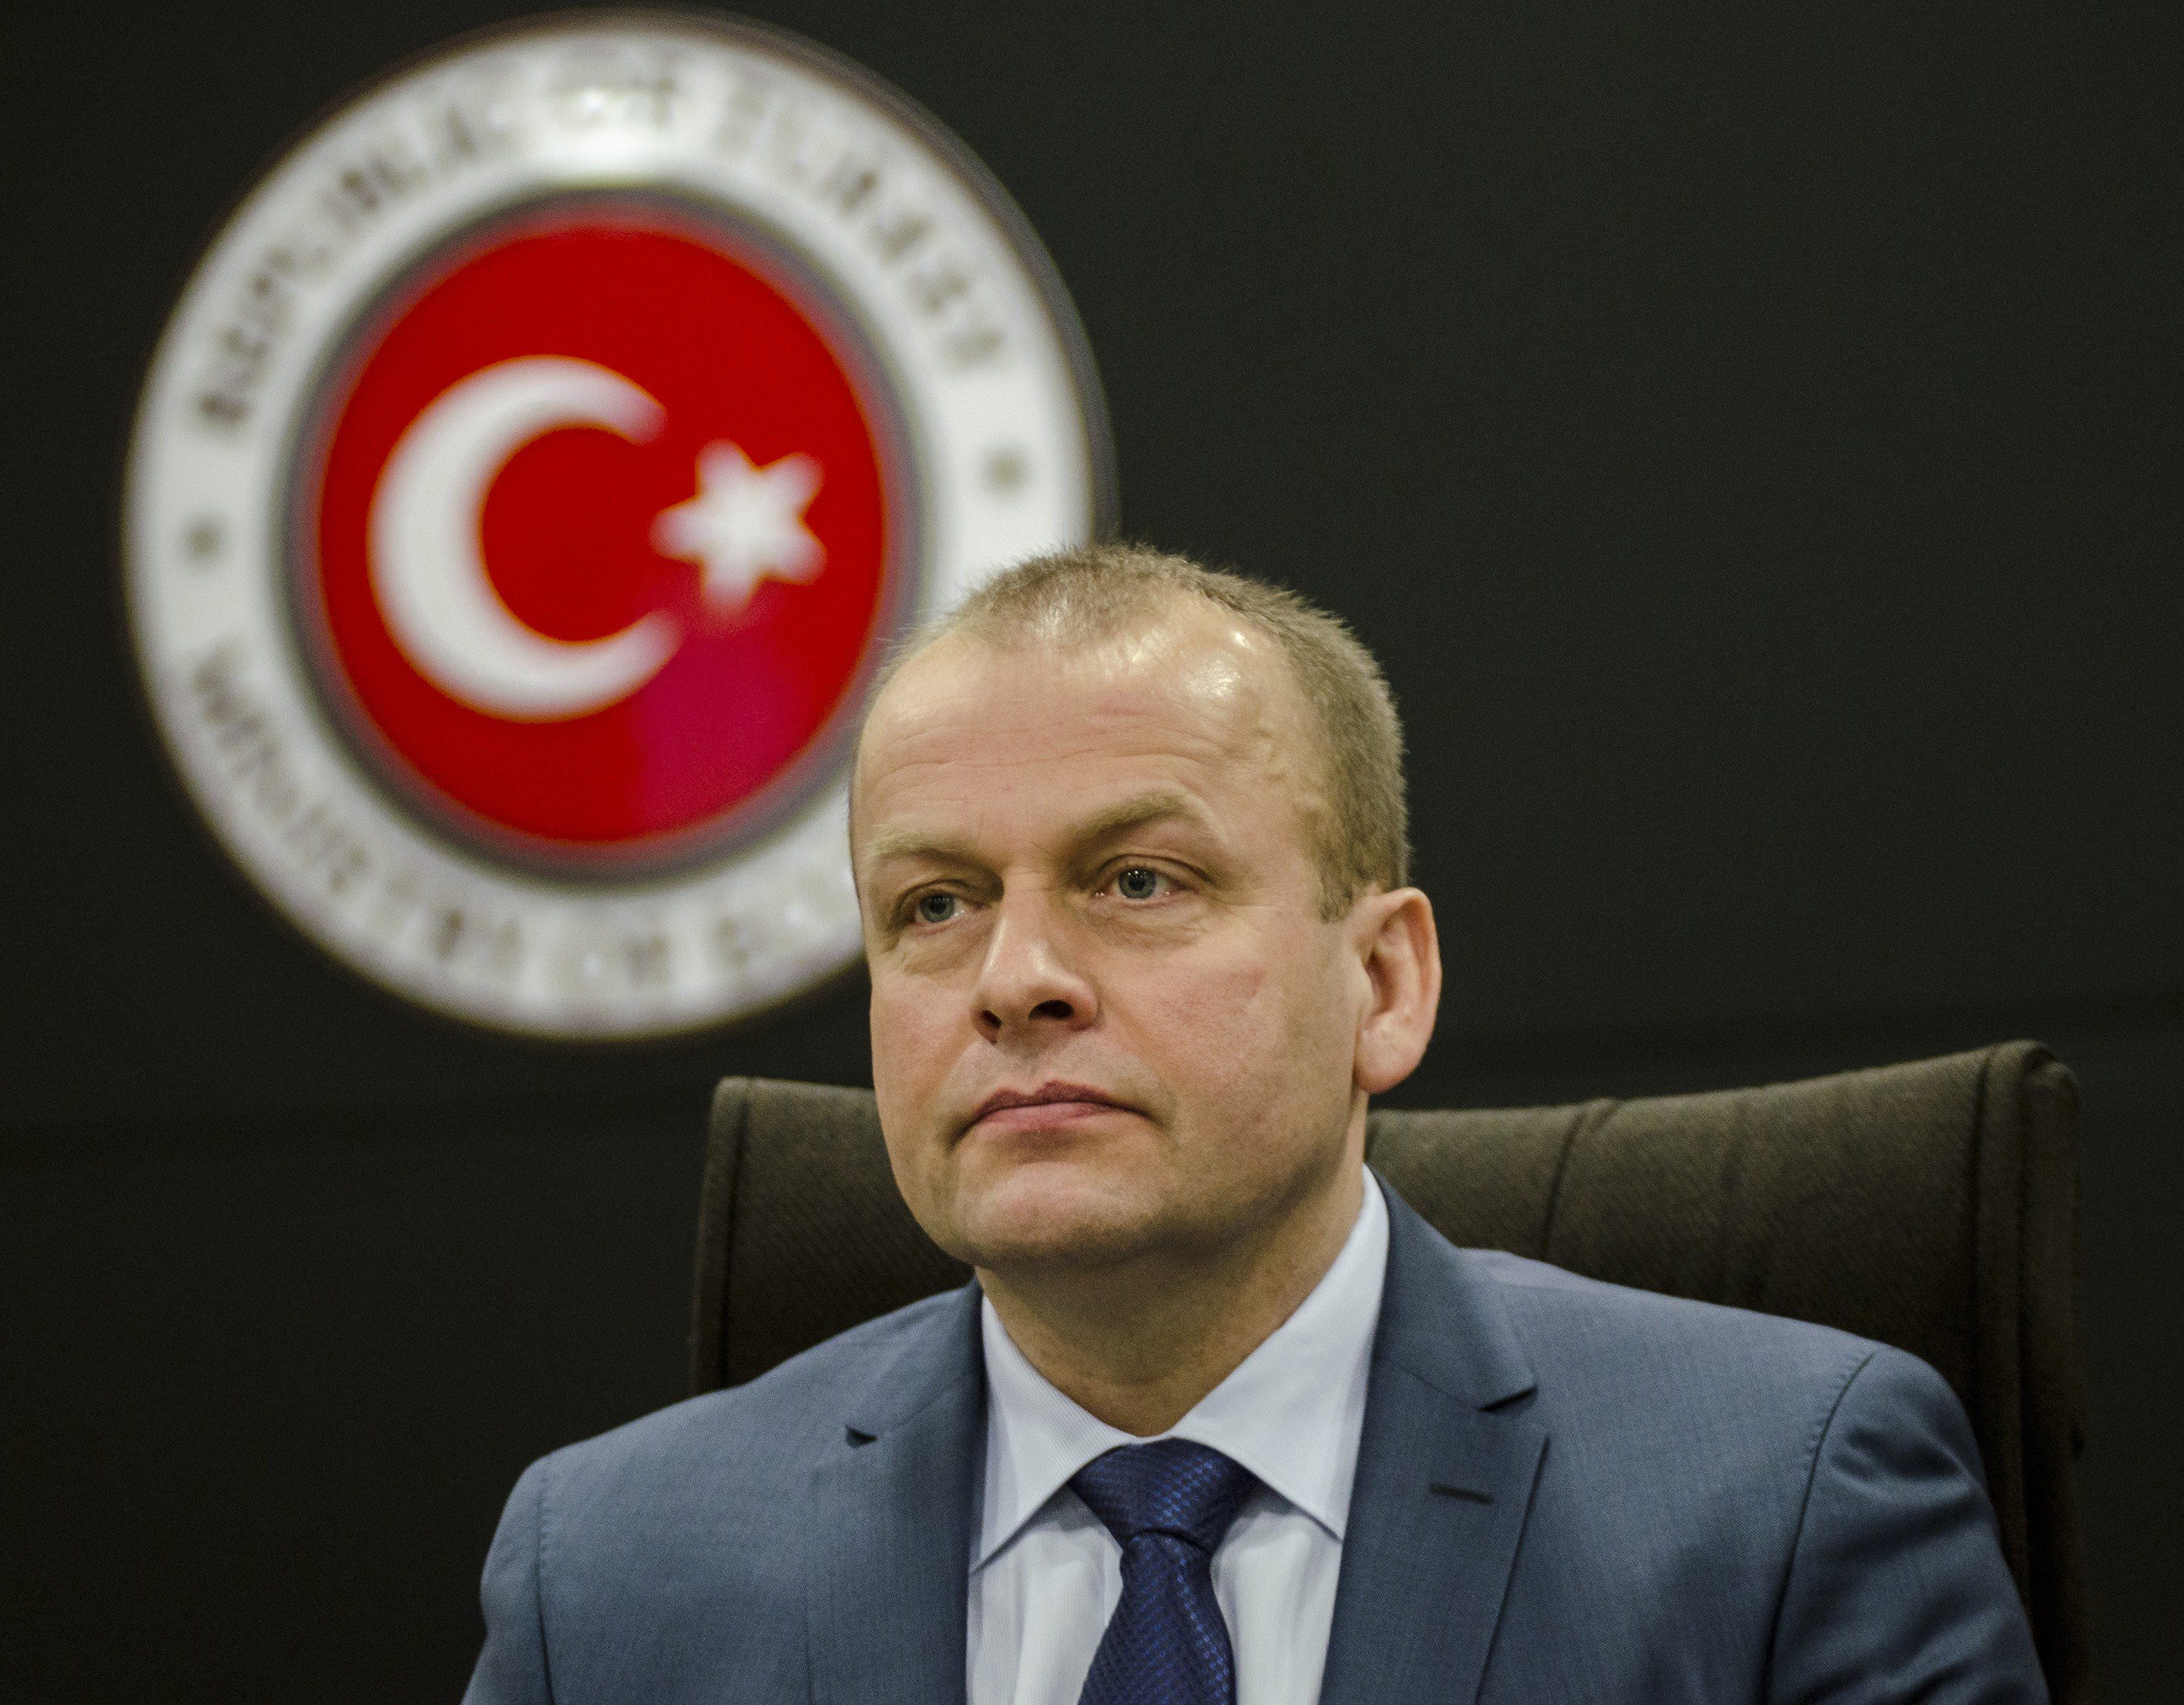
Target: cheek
[
  {"x": 908, "y": 1061},
  {"x": 1249, "y": 1037},
  {"x": 904, "y": 1043},
  {"x": 1217, "y": 1030}
]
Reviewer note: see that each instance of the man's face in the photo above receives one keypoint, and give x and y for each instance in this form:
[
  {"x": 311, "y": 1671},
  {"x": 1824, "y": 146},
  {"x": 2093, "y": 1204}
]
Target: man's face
[{"x": 1108, "y": 1019}]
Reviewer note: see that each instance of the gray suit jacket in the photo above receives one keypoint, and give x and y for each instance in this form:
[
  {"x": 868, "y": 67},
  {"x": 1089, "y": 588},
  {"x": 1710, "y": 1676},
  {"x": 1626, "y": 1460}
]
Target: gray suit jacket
[{"x": 1566, "y": 1491}]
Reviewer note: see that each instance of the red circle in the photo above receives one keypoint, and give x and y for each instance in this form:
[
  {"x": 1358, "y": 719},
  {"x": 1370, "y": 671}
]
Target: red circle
[{"x": 735, "y": 353}]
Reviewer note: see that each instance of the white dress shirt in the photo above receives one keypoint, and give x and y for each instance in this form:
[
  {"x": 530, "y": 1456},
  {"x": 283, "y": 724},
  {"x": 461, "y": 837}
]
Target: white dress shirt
[{"x": 1046, "y": 1574}]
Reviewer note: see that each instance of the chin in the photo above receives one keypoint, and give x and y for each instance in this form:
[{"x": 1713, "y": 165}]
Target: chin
[{"x": 1054, "y": 1214}]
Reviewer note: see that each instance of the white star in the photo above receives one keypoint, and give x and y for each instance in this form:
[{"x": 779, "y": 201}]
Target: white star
[{"x": 746, "y": 524}]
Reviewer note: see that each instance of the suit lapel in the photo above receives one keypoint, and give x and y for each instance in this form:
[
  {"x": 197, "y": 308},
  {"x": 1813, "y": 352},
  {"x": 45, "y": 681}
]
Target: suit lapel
[
  {"x": 1444, "y": 1483},
  {"x": 889, "y": 1556}
]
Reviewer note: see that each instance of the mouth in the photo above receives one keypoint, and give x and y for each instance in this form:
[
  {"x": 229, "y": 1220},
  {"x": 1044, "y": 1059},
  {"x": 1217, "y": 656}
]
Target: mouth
[{"x": 1048, "y": 1106}]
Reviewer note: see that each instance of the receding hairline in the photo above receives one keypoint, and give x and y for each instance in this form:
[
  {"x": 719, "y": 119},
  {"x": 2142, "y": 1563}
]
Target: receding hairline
[
  {"x": 1161, "y": 605},
  {"x": 1357, "y": 814}
]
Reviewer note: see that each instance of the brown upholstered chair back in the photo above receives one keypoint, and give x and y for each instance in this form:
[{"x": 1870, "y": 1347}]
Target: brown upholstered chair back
[{"x": 1931, "y": 1205}]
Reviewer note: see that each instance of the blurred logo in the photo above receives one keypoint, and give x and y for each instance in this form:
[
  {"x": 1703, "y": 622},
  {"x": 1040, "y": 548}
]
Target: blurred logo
[{"x": 532, "y": 477}]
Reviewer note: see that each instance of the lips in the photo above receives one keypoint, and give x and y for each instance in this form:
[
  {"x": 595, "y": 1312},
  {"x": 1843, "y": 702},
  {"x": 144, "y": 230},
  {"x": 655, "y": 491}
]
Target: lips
[{"x": 1062, "y": 1097}]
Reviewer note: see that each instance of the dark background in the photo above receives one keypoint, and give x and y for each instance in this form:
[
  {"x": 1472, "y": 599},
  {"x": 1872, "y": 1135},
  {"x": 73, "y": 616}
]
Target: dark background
[{"x": 1751, "y": 438}]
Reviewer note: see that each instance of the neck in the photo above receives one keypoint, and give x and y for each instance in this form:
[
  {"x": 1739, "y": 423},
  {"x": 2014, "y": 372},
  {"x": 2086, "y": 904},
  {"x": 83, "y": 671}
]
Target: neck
[{"x": 1138, "y": 1343}]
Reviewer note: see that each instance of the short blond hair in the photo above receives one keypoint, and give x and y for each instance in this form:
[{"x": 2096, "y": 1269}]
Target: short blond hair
[{"x": 1359, "y": 836}]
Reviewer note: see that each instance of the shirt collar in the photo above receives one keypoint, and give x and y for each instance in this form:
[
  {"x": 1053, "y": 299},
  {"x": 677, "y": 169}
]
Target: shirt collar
[{"x": 1291, "y": 1412}]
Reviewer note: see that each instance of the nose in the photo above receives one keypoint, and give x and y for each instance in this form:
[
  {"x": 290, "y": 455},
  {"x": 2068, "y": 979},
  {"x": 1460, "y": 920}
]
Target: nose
[{"x": 1028, "y": 981}]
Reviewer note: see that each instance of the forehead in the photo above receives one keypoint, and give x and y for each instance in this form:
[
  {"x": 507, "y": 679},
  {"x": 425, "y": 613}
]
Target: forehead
[{"x": 1192, "y": 701}]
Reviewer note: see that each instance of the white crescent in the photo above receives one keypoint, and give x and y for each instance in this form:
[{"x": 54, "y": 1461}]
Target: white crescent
[{"x": 427, "y": 571}]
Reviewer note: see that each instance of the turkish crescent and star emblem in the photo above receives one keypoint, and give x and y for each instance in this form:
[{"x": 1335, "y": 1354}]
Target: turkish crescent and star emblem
[
  {"x": 532, "y": 477},
  {"x": 746, "y": 524},
  {"x": 603, "y": 534}
]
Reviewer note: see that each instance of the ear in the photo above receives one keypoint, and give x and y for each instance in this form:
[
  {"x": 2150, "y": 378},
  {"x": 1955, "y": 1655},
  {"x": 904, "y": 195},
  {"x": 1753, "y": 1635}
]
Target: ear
[{"x": 1396, "y": 943}]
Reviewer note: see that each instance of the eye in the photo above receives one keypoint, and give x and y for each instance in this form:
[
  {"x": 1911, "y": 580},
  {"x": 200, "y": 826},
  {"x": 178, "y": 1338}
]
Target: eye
[
  {"x": 1136, "y": 882},
  {"x": 935, "y": 908}
]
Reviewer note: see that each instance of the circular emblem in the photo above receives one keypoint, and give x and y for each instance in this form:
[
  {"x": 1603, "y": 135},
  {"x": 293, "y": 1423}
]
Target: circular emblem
[{"x": 531, "y": 477}]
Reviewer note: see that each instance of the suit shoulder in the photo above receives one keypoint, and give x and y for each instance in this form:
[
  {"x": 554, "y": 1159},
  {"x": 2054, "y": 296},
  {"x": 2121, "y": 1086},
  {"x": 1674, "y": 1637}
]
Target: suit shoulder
[
  {"x": 1692, "y": 1411},
  {"x": 755, "y": 1431},
  {"x": 1561, "y": 1314}
]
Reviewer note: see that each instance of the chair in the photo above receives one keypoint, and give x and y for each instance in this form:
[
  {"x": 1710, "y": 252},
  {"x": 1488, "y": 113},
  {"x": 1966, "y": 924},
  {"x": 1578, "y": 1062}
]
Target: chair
[{"x": 1931, "y": 1205}]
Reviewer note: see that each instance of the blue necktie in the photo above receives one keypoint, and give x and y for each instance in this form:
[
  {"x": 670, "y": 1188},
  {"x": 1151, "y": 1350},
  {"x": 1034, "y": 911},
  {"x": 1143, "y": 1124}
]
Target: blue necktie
[{"x": 1167, "y": 1505}]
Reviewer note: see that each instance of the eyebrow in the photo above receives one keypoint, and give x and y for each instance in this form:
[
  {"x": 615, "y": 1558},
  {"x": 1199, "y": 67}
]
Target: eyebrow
[
  {"x": 1119, "y": 819},
  {"x": 1137, "y": 813}
]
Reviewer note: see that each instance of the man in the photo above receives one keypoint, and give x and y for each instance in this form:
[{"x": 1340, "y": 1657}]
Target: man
[{"x": 1220, "y": 1420}]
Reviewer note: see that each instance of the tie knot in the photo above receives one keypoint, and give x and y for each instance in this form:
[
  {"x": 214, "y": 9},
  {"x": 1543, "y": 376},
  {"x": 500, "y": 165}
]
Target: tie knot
[{"x": 1170, "y": 1486}]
